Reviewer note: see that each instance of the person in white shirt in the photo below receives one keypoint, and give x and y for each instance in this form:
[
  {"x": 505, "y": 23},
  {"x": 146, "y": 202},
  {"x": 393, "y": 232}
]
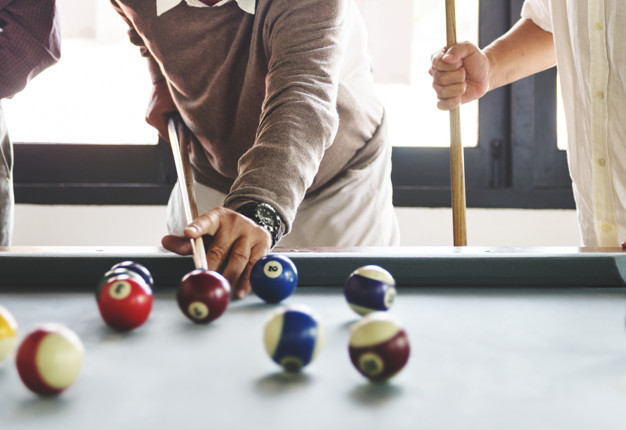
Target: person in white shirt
[{"x": 587, "y": 42}]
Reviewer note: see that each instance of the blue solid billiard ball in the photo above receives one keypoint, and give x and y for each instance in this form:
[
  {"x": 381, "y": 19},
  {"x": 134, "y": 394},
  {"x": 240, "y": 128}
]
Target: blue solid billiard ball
[
  {"x": 369, "y": 289},
  {"x": 274, "y": 278},
  {"x": 293, "y": 336}
]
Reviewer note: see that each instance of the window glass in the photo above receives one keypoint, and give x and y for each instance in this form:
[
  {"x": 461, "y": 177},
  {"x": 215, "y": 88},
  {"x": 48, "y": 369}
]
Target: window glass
[
  {"x": 99, "y": 90},
  {"x": 561, "y": 127},
  {"x": 97, "y": 93},
  {"x": 402, "y": 36}
]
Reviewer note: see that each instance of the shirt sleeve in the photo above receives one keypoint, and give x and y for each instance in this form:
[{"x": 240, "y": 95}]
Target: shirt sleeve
[
  {"x": 29, "y": 42},
  {"x": 539, "y": 12}
]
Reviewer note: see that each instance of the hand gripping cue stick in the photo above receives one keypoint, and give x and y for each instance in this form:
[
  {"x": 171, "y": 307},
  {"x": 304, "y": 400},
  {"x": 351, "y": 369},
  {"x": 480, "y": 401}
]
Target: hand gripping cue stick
[
  {"x": 457, "y": 174},
  {"x": 179, "y": 140}
]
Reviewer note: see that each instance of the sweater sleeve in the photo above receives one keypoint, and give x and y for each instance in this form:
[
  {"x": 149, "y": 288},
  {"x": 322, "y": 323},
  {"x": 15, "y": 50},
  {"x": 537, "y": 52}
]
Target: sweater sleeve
[
  {"x": 29, "y": 42},
  {"x": 305, "y": 42}
]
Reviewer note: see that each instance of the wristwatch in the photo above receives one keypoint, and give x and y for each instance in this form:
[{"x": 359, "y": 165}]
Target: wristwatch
[{"x": 265, "y": 216}]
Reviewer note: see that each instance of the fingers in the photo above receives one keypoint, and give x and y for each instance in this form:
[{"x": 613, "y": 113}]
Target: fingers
[
  {"x": 240, "y": 266},
  {"x": 453, "y": 71},
  {"x": 236, "y": 266},
  {"x": 160, "y": 107},
  {"x": 448, "y": 79},
  {"x": 237, "y": 243},
  {"x": 177, "y": 244}
]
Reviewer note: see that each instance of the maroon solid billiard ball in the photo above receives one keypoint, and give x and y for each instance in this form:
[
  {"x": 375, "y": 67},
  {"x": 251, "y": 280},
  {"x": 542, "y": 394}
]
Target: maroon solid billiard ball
[
  {"x": 124, "y": 302},
  {"x": 379, "y": 346},
  {"x": 50, "y": 359},
  {"x": 203, "y": 295}
]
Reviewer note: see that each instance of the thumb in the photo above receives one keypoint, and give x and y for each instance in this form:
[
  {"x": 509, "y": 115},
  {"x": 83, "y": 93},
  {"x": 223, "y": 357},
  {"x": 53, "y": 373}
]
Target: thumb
[{"x": 458, "y": 52}]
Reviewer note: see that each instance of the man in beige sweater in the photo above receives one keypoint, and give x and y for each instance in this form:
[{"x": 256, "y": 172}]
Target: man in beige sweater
[{"x": 290, "y": 137}]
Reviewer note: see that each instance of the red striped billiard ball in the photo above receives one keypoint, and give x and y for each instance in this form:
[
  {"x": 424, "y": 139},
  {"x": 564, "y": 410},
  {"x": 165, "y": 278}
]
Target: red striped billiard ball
[
  {"x": 203, "y": 295},
  {"x": 124, "y": 302},
  {"x": 50, "y": 359},
  {"x": 379, "y": 346}
]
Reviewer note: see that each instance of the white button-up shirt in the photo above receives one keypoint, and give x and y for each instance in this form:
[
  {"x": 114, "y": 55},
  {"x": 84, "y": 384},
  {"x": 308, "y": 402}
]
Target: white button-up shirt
[
  {"x": 590, "y": 43},
  {"x": 165, "y": 5}
]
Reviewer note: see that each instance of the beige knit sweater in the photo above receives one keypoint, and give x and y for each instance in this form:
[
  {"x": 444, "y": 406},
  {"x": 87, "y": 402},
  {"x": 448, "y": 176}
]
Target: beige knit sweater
[{"x": 281, "y": 102}]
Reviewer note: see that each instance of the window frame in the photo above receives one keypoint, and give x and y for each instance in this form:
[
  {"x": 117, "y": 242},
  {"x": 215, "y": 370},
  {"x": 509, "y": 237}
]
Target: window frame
[{"x": 516, "y": 163}]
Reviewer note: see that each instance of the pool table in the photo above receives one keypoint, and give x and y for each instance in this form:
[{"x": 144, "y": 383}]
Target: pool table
[{"x": 501, "y": 338}]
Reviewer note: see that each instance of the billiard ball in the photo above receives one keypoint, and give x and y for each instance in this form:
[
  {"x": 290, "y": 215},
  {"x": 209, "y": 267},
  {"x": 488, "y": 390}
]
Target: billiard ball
[
  {"x": 379, "y": 346},
  {"x": 8, "y": 333},
  {"x": 293, "y": 336},
  {"x": 50, "y": 359},
  {"x": 274, "y": 278},
  {"x": 124, "y": 302},
  {"x": 203, "y": 295},
  {"x": 137, "y": 268},
  {"x": 369, "y": 289},
  {"x": 113, "y": 273}
]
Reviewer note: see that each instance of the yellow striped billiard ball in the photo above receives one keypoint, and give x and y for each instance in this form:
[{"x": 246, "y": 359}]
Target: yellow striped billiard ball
[{"x": 8, "y": 333}]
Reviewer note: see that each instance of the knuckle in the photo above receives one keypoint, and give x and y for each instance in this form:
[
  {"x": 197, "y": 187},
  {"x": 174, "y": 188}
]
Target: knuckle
[
  {"x": 216, "y": 253},
  {"x": 239, "y": 257}
]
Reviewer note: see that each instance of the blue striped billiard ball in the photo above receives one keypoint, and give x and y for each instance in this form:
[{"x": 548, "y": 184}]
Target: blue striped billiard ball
[
  {"x": 369, "y": 289},
  {"x": 293, "y": 336},
  {"x": 274, "y": 278},
  {"x": 136, "y": 268}
]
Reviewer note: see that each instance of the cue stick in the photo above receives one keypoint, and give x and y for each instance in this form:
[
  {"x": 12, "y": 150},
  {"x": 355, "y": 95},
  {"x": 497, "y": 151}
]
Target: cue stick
[
  {"x": 179, "y": 140},
  {"x": 457, "y": 174}
]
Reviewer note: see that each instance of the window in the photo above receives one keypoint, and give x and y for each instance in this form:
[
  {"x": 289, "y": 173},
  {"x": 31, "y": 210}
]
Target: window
[
  {"x": 402, "y": 35},
  {"x": 79, "y": 132},
  {"x": 516, "y": 162},
  {"x": 511, "y": 159},
  {"x": 96, "y": 94}
]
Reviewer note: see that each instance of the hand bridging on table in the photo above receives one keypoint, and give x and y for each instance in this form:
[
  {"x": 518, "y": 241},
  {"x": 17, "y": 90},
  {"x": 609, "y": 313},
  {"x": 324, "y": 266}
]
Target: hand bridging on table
[
  {"x": 460, "y": 75},
  {"x": 236, "y": 244}
]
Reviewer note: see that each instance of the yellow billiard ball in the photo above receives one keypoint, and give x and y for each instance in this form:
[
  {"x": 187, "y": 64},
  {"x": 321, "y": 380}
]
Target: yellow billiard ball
[{"x": 8, "y": 333}]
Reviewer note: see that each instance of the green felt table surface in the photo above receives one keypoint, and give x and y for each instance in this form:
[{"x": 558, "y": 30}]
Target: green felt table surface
[
  {"x": 526, "y": 358},
  {"x": 486, "y": 354}
]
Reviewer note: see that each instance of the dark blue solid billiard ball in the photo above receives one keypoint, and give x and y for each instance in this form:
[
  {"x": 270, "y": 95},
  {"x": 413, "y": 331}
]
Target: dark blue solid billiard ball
[
  {"x": 293, "y": 336},
  {"x": 274, "y": 278},
  {"x": 369, "y": 289}
]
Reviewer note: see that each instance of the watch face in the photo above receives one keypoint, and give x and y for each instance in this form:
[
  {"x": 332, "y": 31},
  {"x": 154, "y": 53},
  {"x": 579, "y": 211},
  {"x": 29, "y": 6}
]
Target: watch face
[
  {"x": 266, "y": 217},
  {"x": 264, "y": 214}
]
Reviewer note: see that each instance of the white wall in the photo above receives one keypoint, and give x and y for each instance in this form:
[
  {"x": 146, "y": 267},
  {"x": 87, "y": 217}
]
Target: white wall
[{"x": 144, "y": 226}]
